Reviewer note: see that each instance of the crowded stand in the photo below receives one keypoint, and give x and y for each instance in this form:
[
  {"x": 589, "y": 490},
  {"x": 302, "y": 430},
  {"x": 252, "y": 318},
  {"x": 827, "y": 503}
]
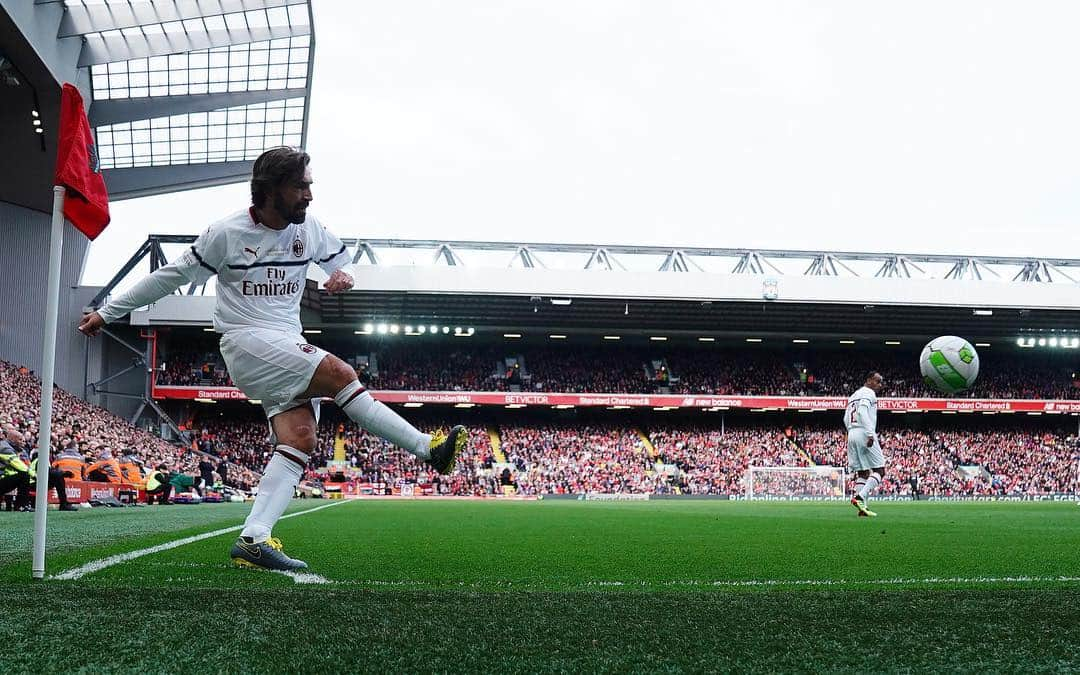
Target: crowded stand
[
  {"x": 545, "y": 458},
  {"x": 555, "y": 459},
  {"x": 711, "y": 461},
  {"x": 91, "y": 444},
  {"x": 565, "y": 458},
  {"x": 965, "y": 462},
  {"x": 575, "y": 369},
  {"x": 368, "y": 458},
  {"x": 188, "y": 368}
]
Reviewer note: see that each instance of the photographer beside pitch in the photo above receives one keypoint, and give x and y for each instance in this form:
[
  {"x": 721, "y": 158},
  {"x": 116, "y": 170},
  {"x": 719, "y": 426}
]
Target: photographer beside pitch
[
  {"x": 260, "y": 256},
  {"x": 864, "y": 450}
]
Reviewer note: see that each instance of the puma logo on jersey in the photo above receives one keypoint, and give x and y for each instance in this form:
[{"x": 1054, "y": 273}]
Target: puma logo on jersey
[{"x": 254, "y": 251}]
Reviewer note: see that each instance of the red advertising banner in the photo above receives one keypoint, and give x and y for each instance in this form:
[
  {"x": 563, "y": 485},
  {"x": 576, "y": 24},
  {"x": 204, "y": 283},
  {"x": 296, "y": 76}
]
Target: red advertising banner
[
  {"x": 79, "y": 491},
  {"x": 518, "y": 399}
]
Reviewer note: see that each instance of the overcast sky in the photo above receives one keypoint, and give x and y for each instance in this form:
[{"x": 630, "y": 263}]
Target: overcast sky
[{"x": 908, "y": 127}]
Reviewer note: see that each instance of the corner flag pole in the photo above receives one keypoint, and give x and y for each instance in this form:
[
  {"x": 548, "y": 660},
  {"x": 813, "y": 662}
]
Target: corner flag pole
[{"x": 48, "y": 362}]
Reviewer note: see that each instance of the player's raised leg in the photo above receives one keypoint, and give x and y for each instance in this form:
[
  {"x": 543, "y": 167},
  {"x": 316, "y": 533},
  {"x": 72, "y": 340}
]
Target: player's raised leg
[
  {"x": 294, "y": 433},
  {"x": 336, "y": 378}
]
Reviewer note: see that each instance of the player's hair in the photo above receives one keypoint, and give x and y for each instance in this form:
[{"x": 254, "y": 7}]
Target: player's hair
[
  {"x": 870, "y": 375},
  {"x": 273, "y": 168}
]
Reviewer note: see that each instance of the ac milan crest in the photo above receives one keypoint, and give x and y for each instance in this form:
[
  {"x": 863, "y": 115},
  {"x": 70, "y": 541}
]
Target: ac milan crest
[
  {"x": 306, "y": 348},
  {"x": 298, "y": 248}
]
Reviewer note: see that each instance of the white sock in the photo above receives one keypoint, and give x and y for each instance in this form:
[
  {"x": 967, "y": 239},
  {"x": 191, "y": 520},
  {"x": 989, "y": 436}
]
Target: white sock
[
  {"x": 276, "y": 490},
  {"x": 871, "y": 484},
  {"x": 860, "y": 484},
  {"x": 381, "y": 421}
]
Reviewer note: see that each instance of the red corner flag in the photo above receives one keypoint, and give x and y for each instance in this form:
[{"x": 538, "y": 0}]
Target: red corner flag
[{"x": 86, "y": 204}]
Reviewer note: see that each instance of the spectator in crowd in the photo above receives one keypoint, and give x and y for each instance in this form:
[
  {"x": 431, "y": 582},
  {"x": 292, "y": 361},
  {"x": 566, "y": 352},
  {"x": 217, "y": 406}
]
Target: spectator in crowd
[
  {"x": 55, "y": 482},
  {"x": 223, "y": 469},
  {"x": 106, "y": 468},
  {"x": 158, "y": 485},
  {"x": 206, "y": 471},
  {"x": 131, "y": 469},
  {"x": 70, "y": 463},
  {"x": 14, "y": 475}
]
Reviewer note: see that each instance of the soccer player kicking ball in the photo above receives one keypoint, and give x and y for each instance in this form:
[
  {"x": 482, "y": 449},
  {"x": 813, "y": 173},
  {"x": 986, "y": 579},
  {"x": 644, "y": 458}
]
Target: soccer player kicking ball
[
  {"x": 260, "y": 256},
  {"x": 864, "y": 450}
]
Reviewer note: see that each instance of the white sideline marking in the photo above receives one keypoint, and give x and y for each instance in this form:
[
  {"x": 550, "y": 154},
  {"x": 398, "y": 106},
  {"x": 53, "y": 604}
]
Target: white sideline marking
[
  {"x": 98, "y": 565},
  {"x": 897, "y": 581},
  {"x": 305, "y": 577}
]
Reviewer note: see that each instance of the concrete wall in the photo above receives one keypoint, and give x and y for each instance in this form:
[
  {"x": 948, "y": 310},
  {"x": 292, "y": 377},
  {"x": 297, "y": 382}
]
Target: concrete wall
[{"x": 24, "y": 272}]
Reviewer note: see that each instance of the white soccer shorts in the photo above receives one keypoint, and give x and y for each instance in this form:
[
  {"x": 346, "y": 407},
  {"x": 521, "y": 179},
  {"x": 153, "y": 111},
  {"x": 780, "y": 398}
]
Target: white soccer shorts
[
  {"x": 272, "y": 367},
  {"x": 860, "y": 456}
]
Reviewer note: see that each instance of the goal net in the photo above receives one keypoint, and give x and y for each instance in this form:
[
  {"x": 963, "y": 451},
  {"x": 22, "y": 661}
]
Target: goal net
[{"x": 772, "y": 482}]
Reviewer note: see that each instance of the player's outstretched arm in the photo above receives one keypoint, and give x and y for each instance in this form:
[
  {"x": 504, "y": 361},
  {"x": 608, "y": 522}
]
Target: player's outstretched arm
[
  {"x": 196, "y": 265},
  {"x": 150, "y": 289}
]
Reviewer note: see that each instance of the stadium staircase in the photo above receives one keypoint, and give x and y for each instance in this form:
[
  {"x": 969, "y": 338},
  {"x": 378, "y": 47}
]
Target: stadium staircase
[
  {"x": 802, "y": 453},
  {"x": 496, "y": 445},
  {"x": 647, "y": 443}
]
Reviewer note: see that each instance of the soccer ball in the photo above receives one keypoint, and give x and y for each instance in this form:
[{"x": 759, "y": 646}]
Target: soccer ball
[{"x": 949, "y": 364}]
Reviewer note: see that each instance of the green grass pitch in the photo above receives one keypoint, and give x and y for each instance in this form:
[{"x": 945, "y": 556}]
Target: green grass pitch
[{"x": 675, "y": 586}]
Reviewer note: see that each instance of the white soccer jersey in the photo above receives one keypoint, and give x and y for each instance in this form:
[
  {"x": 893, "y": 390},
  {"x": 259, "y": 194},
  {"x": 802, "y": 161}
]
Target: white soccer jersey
[
  {"x": 861, "y": 412},
  {"x": 261, "y": 272}
]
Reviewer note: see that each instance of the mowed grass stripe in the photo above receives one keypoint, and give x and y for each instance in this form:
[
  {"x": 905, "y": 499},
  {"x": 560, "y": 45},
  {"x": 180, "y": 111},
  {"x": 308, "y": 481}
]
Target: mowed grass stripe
[{"x": 659, "y": 546}]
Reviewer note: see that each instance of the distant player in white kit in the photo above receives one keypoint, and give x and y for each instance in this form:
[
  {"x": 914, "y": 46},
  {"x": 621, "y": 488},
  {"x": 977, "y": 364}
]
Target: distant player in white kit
[
  {"x": 864, "y": 448},
  {"x": 260, "y": 256}
]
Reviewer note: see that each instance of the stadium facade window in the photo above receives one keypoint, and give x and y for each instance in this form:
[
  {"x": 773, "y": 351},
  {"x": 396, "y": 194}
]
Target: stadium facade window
[
  {"x": 227, "y": 135},
  {"x": 258, "y": 66}
]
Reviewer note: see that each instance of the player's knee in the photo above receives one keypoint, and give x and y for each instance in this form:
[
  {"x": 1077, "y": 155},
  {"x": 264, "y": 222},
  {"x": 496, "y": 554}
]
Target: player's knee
[
  {"x": 300, "y": 436},
  {"x": 880, "y": 474},
  {"x": 305, "y": 439}
]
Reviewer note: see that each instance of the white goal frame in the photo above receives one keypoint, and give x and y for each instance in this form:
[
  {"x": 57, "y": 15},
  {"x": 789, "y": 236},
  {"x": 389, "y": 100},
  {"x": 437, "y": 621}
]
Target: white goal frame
[{"x": 840, "y": 471}]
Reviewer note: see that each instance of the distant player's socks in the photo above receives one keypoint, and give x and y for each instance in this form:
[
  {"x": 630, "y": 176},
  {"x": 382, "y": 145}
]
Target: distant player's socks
[
  {"x": 276, "y": 490},
  {"x": 868, "y": 488},
  {"x": 361, "y": 408}
]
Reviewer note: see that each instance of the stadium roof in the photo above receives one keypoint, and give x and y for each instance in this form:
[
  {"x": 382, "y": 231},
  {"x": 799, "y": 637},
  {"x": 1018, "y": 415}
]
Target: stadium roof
[
  {"x": 591, "y": 289},
  {"x": 182, "y": 93}
]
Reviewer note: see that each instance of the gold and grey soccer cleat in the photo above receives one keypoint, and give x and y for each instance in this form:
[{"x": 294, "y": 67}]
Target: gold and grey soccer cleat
[
  {"x": 860, "y": 504},
  {"x": 263, "y": 555},
  {"x": 446, "y": 448}
]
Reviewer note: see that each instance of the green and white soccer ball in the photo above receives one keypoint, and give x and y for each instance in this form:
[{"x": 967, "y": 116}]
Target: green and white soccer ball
[{"x": 949, "y": 364}]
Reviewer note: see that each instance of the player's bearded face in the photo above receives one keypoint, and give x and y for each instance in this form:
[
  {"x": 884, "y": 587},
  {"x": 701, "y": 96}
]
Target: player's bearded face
[
  {"x": 291, "y": 210},
  {"x": 291, "y": 199}
]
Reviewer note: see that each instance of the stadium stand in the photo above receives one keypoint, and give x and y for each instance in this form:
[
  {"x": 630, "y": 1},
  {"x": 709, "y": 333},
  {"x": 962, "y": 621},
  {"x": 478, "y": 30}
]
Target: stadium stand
[
  {"x": 680, "y": 371},
  {"x": 91, "y": 432},
  {"x": 571, "y": 458}
]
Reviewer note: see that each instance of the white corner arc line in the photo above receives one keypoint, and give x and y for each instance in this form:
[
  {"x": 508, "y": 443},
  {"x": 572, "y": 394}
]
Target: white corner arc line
[
  {"x": 305, "y": 577},
  {"x": 98, "y": 565}
]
